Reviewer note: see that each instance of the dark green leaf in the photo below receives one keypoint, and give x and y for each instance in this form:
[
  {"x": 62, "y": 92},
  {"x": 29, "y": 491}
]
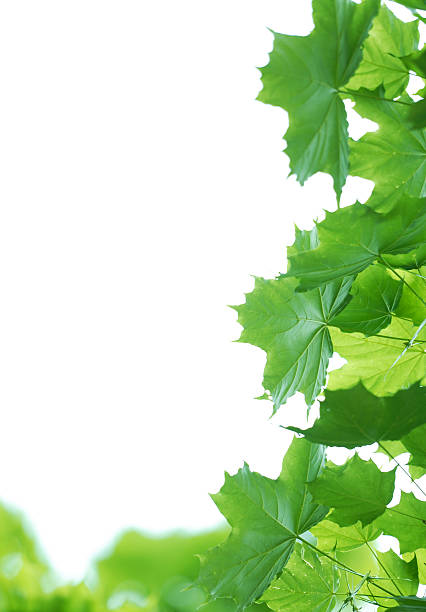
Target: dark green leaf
[
  {"x": 375, "y": 297},
  {"x": 341, "y": 252},
  {"x": 292, "y": 329},
  {"x": 415, "y": 443},
  {"x": 267, "y": 516},
  {"x": 303, "y": 77},
  {"x": 356, "y": 417},
  {"x": 416, "y": 61},
  {"x": 410, "y": 604},
  {"x": 417, "y": 115},
  {"x": 406, "y": 521}
]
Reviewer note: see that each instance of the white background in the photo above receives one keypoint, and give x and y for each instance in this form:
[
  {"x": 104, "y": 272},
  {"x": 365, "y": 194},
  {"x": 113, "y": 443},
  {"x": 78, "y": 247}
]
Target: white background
[{"x": 141, "y": 185}]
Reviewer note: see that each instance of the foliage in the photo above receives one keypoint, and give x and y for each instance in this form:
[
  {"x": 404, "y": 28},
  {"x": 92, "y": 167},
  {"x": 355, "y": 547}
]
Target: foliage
[
  {"x": 355, "y": 285},
  {"x": 137, "y": 573}
]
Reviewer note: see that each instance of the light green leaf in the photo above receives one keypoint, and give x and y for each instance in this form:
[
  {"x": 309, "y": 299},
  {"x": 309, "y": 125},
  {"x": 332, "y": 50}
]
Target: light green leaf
[
  {"x": 394, "y": 157},
  {"x": 304, "y": 76},
  {"x": 308, "y": 583},
  {"x": 410, "y": 306},
  {"x": 377, "y": 362},
  {"x": 406, "y": 521},
  {"x": 409, "y": 261},
  {"x": 341, "y": 252},
  {"x": 266, "y": 517},
  {"x": 389, "y": 39},
  {"x": 357, "y": 490},
  {"x": 375, "y": 297},
  {"x": 397, "y": 576},
  {"x": 330, "y": 536},
  {"x": 356, "y": 417},
  {"x": 292, "y": 329}
]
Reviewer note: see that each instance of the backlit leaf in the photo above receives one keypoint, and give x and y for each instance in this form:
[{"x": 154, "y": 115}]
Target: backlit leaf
[{"x": 357, "y": 491}]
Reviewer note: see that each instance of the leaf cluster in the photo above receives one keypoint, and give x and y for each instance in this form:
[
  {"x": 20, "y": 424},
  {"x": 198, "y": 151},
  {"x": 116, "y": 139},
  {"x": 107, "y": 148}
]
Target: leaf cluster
[{"x": 355, "y": 285}]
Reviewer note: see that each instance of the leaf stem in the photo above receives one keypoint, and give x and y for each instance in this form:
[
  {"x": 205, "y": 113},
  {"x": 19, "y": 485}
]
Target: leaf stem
[
  {"x": 402, "y": 468},
  {"x": 373, "y": 552},
  {"x": 390, "y": 267},
  {"x": 356, "y": 93}
]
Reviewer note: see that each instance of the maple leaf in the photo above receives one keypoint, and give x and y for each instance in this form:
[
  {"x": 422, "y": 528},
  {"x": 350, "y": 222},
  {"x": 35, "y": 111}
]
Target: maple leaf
[
  {"x": 304, "y": 76},
  {"x": 406, "y": 521},
  {"x": 292, "y": 328},
  {"x": 356, "y": 490},
  {"x": 382, "y": 363},
  {"x": 330, "y": 536},
  {"x": 388, "y": 41},
  {"x": 267, "y": 516},
  {"x": 356, "y": 417},
  {"x": 394, "y": 157},
  {"x": 371, "y": 236},
  {"x": 375, "y": 296},
  {"x": 307, "y": 583}
]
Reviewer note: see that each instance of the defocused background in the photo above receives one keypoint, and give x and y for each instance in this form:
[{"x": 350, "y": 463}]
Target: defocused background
[{"x": 141, "y": 186}]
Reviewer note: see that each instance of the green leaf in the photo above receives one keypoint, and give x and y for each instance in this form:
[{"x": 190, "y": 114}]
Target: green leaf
[
  {"x": 304, "y": 76},
  {"x": 341, "y": 253},
  {"x": 415, "y": 443},
  {"x": 357, "y": 490},
  {"x": 356, "y": 417},
  {"x": 409, "y": 261},
  {"x": 292, "y": 329},
  {"x": 394, "y": 157},
  {"x": 398, "y": 577},
  {"x": 379, "y": 362},
  {"x": 410, "y": 307},
  {"x": 307, "y": 583},
  {"x": 417, "y": 115},
  {"x": 266, "y": 517},
  {"x": 414, "y": 4},
  {"x": 389, "y": 39},
  {"x": 304, "y": 241},
  {"x": 406, "y": 521},
  {"x": 416, "y": 61},
  {"x": 410, "y": 604},
  {"x": 330, "y": 536},
  {"x": 375, "y": 297}
]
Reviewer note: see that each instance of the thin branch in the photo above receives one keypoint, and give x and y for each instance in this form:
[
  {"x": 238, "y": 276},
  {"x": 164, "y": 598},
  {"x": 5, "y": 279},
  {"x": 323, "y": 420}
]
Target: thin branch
[{"x": 402, "y": 468}]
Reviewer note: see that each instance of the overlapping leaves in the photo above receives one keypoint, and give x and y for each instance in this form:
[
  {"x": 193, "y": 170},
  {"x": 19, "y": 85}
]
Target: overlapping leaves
[
  {"x": 355, "y": 286},
  {"x": 267, "y": 517}
]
